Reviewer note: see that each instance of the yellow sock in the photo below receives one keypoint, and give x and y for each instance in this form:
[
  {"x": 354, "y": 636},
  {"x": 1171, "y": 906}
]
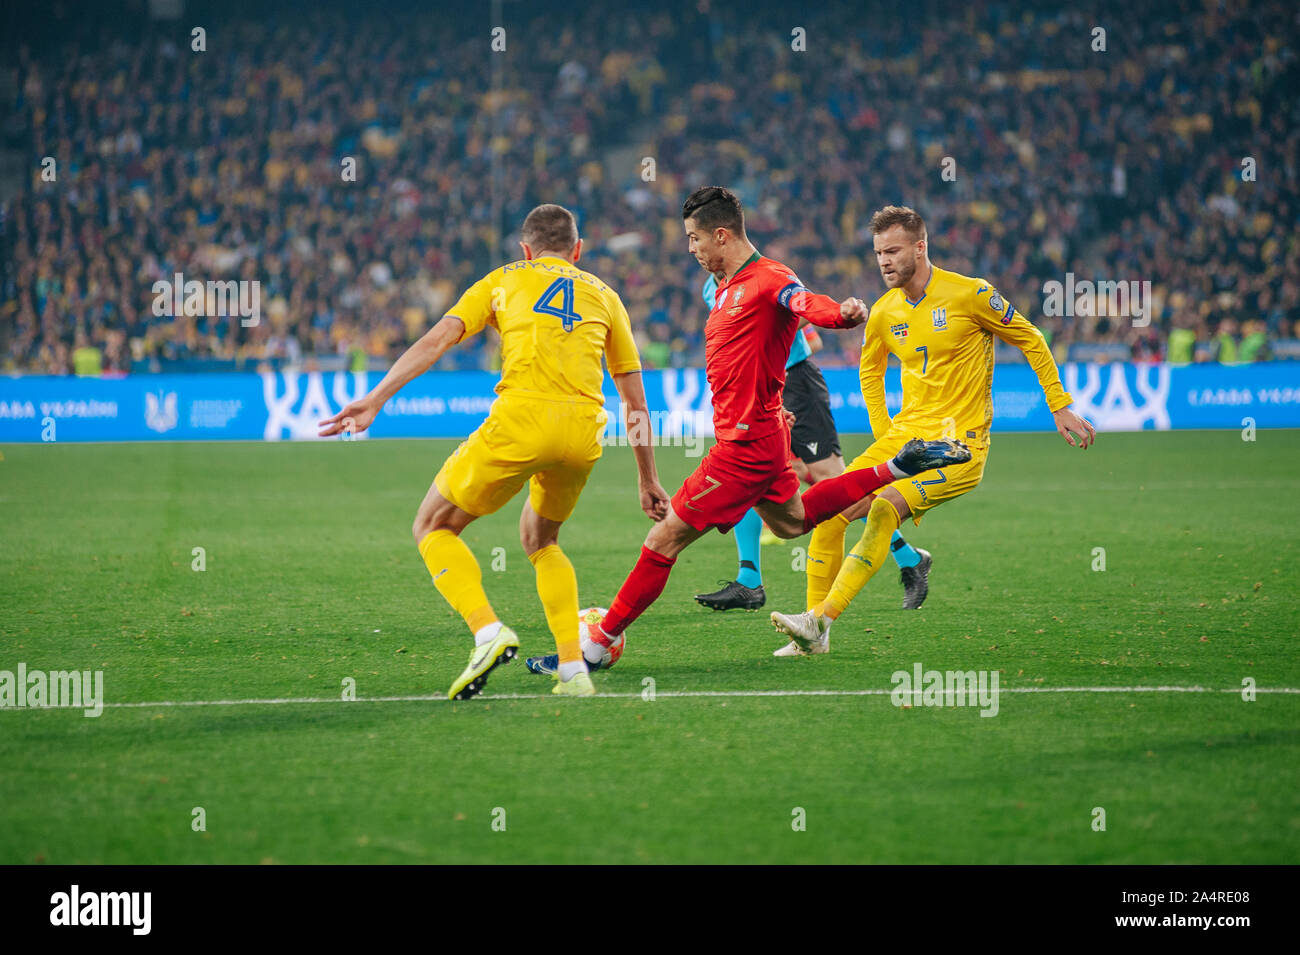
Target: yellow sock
[
  {"x": 457, "y": 576},
  {"x": 867, "y": 556},
  {"x": 557, "y": 585},
  {"x": 825, "y": 555}
]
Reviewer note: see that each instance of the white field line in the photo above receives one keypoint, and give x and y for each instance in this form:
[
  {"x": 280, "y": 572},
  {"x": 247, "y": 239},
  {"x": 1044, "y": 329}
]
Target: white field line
[{"x": 687, "y": 694}]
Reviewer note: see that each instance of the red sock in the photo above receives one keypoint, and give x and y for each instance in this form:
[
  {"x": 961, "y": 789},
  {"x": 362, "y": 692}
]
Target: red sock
[
  {"x": 642, "y": 588},
  {"x": 829, "y": 496}
]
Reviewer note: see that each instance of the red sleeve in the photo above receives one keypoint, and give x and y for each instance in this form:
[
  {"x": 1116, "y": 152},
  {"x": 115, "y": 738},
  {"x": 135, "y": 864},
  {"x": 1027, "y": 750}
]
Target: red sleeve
[{"x": 817, "y": 309}]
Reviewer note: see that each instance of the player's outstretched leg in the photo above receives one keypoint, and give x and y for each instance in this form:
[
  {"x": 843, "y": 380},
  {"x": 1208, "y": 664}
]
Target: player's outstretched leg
[
  {"x": 643, "y": 586},
  {"x": 809, "y": 631},
  {"x": 458, "y": 578},
  {"x": 831, "y": 496},
  {"x": 746, "y": 591}
]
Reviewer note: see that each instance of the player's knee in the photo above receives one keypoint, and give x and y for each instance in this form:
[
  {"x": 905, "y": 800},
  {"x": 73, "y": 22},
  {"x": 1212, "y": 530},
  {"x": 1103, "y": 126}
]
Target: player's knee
[
  {"x": 423, "y": 526},
  {"x": 885, "y": 508},
  {"x": 534, "y": 539},
  {"x": 786, "y": 528},
  {"x": 830, "y": 467},
  {"x": 430, "y": 519},
  {"x": 420, "y": 529},
  {"x": 668, "y": 537}
]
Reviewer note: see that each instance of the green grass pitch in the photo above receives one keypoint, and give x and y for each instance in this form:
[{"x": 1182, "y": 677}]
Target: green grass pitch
[{"x": 312, "y": 578}]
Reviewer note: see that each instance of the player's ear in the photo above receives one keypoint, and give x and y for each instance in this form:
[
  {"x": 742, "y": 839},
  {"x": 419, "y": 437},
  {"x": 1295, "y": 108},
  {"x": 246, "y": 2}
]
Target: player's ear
[
  {"x": 577, "y": 252},
  {"x": 528, "y": 252}
]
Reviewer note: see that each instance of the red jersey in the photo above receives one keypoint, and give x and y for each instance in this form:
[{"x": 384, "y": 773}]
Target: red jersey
[{"x": 747, "y": 342}]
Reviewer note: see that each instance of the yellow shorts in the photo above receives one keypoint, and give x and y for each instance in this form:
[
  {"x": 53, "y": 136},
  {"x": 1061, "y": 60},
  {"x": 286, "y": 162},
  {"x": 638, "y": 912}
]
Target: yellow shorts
[
  {"x": 551, "y": 444},
  {"x": 929, "y": 488}
]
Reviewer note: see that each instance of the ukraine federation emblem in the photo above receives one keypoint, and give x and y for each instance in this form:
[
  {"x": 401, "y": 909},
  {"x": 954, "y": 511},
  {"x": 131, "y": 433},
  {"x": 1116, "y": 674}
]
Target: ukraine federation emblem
[
  {"x": 940, "y": 316},
  {"x": 160, "y": 411}
]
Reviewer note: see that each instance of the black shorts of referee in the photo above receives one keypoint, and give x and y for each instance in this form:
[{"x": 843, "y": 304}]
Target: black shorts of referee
[{"x": 813, "y": 437}]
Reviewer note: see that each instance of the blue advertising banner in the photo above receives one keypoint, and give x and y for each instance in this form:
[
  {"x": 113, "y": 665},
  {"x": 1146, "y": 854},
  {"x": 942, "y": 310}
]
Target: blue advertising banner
[{"x": 282, "y": 406}]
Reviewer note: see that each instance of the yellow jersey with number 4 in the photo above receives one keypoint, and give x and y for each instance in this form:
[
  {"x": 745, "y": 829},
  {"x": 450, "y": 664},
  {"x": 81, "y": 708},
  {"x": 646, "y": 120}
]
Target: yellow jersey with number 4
[
  {"x": 944, "y": 341},
  {"x": 555, "y": 322}
]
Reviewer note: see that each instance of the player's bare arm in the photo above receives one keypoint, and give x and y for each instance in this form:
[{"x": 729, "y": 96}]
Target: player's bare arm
[
  {"x": 415, "y": 361},
  {"x": 636, "y": 418}
]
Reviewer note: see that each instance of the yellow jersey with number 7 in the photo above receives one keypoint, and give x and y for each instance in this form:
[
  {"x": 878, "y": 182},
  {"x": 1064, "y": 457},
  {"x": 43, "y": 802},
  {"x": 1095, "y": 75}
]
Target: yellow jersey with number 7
[
  {"x": 944, "y": 342},
  {"x": 555, "y": 322}
]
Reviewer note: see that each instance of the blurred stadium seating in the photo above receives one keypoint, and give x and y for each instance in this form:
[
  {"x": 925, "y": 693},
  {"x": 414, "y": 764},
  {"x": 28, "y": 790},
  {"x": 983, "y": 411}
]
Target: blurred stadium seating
[{"x": 1125, "y": 164}]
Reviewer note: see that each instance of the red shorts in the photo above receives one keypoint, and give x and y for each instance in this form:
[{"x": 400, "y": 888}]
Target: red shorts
[{"x": 733, "y": 477}]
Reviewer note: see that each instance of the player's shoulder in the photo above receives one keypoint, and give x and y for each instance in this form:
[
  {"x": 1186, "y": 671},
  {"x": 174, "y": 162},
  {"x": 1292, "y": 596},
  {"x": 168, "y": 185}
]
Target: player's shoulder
[
  {"x": 595, "y": 281},
  {"x": 950, "y": 281},
  {"x": 602, "y": 289},
  {"x": 497, "y": 275},
  {"x": 981, "y": 294},
  {"x": 778, "y": 273},
  {"x": 965, "y": 288},
  {"x": 891, "y": 300}
]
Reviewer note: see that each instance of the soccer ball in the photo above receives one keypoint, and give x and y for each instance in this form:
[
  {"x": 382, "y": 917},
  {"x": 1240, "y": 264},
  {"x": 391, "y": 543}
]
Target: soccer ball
[{"x": 596, "y": 615}]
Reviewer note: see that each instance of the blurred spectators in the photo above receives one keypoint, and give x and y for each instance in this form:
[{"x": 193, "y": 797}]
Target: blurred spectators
[{"x": 1126, "y": 164}]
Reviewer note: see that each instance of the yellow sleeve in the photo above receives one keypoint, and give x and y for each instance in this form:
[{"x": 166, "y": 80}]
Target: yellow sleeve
[
  {"x": 995, "y": 314},
  {"x": 474, "y": 308},
  {"x": 871, "y": 375},
  {"x": 621, "y": 355}
]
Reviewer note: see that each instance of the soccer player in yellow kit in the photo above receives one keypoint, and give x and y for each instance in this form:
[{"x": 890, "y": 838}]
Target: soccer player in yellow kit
[
  {"x": 544, "y": 429},
  {"x": 940, "y": 325}
]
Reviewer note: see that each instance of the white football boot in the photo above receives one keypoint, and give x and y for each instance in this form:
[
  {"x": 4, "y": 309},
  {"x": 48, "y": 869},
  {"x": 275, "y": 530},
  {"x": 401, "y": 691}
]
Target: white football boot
[{"x": 809, "y": 633}]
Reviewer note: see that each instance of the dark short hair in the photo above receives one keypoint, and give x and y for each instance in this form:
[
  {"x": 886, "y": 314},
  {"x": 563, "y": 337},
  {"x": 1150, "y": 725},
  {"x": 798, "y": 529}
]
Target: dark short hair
[
  {"x": 550, "y": 228},
  {"x": 891, "y": 216},
  {"x": 715, "y": 208}
]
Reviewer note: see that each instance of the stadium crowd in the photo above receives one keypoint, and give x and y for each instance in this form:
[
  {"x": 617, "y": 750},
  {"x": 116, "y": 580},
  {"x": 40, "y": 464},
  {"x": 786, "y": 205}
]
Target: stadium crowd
[{"x": 1169, "y": 157}]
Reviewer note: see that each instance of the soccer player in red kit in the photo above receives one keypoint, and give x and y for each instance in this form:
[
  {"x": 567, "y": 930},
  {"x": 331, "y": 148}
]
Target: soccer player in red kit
[{"x": 755, "y": 316}]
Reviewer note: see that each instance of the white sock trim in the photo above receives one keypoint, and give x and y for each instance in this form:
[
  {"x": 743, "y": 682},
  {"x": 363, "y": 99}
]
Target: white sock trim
[
  {"x": 571, "y": 669},
  {"x": 488, "y": 633}
]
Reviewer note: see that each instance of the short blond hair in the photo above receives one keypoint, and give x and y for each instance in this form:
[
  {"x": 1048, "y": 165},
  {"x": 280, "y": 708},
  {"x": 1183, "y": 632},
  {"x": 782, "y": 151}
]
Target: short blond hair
[{"x": 891, "y": 216}]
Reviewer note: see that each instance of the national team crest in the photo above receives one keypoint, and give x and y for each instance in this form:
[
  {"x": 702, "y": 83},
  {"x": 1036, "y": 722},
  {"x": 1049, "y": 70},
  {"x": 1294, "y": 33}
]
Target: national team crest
[
  {"x": 899, "y": 331},
  {"x": 160, "y": 411},
  {"x": 940, "y": 316}
]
